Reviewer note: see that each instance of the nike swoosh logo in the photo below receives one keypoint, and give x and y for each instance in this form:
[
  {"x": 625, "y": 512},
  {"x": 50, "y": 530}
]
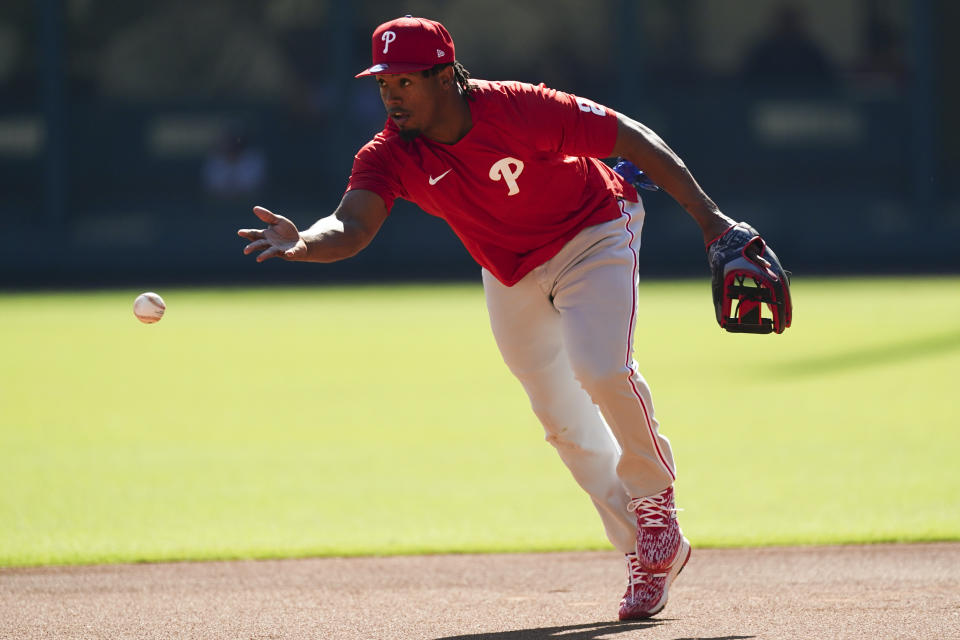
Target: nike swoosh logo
[{"x": 434, "y": 181}]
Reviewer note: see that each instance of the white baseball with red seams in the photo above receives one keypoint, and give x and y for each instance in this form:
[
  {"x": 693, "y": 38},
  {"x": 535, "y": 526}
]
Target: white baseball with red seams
[{"x": 149, "y": 307}]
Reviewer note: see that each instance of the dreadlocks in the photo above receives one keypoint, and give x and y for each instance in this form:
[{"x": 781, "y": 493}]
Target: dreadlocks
[{"x": 460, "y": 74}]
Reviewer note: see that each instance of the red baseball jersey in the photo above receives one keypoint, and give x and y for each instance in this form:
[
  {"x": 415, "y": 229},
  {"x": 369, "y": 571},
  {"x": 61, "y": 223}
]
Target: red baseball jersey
[{"x": 522, "y": 182}]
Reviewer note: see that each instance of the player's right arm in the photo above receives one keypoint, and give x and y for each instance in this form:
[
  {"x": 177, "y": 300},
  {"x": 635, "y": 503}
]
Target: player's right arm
[{"x": 342, "y": 234}]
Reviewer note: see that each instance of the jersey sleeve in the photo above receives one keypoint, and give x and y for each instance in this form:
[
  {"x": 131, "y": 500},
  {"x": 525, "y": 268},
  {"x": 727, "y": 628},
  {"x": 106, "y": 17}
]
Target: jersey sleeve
[
  {"x": 565, "y": 123},
  {"x": 372, "y": 171}
]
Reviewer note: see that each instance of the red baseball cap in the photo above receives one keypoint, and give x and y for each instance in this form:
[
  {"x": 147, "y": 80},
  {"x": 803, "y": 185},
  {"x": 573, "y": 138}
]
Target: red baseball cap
[{"x": 409, "y": 44}]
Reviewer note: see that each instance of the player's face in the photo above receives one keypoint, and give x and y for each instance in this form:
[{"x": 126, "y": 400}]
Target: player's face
[{"x": 411, "y": 100}]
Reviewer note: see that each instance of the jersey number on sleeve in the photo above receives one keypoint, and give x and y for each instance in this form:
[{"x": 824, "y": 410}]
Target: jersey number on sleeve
[{"x": 590, "y": 107}]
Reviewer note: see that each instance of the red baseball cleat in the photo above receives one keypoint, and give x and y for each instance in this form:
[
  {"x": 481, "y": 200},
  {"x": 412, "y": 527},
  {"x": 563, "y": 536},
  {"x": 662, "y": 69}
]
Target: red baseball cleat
[
  {"x": 646, "y": 593},
  {"x": 658, "y": 532}
]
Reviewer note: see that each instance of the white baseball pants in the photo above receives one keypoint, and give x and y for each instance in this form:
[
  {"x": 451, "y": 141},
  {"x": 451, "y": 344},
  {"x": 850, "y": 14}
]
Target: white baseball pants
[{"x": 566, "y": 332}]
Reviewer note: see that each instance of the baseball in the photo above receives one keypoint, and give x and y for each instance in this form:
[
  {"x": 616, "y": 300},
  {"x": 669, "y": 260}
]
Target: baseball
[{"x": 149, "y": 307}]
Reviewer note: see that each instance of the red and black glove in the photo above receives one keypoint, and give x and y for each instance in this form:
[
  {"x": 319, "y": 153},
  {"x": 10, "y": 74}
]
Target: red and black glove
[{"x": 746, "y": 276}]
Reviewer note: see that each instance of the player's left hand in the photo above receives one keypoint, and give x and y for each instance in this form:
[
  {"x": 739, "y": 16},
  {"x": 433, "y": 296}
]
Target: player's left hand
[
  {"x": 281, "y": 238},
  {"x": 747, "y": 272}
]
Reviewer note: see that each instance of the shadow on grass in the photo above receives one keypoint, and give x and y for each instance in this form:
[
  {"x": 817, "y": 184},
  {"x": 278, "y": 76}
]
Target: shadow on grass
[
  {"x": 863, "y": 358},
  {"x": 593, "y": 631}
]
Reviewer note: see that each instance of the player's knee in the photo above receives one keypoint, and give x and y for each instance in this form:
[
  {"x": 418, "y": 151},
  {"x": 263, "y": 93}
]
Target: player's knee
[{"x": 598, "y": 379}]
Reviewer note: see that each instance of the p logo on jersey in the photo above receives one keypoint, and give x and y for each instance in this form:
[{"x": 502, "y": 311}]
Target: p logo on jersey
[
  {"x": 507, "y": 169},
  {"x": 409, "y": 44}
]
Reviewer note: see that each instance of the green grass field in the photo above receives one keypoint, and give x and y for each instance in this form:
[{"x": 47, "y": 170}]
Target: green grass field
[{"x": 337, "y": 421}]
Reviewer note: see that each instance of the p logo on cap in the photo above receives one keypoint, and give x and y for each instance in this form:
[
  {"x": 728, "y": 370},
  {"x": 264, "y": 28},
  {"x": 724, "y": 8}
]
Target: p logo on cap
[
  {"x": 409, "y": 44},
  {"x": 387, "y": 37}
]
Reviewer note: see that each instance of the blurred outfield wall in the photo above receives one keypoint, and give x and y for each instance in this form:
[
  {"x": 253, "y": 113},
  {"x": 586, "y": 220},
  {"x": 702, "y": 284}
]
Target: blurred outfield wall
[{"x": 829, "y": 126}]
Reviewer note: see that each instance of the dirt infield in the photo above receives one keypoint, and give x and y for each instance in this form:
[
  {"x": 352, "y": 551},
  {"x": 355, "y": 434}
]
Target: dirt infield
[{"x": 883, "y": 591}]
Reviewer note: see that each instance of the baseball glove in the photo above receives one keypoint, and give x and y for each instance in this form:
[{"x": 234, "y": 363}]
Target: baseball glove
[{"x": 747, "y": 272}]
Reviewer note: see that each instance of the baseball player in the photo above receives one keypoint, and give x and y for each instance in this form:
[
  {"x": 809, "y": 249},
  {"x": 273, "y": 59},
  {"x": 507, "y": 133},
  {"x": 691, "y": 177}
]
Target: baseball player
[{"x": 514, "y": 169}]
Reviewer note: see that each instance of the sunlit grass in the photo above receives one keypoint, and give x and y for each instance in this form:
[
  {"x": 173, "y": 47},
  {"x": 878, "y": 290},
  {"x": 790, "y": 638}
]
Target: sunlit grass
[{"x": 372, "y": 420}]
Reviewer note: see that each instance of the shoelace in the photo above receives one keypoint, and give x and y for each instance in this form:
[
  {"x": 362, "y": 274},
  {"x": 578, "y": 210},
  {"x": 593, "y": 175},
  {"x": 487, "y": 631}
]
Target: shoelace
[
  {"x": 654, "y": 511},
  {"x": 636, "y": 576},
  {"x": 635, "y": 573}
]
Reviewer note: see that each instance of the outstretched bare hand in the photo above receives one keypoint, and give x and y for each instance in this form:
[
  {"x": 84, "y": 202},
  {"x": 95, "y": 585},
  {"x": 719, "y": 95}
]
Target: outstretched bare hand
[{"x": 281, "y": 238}]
